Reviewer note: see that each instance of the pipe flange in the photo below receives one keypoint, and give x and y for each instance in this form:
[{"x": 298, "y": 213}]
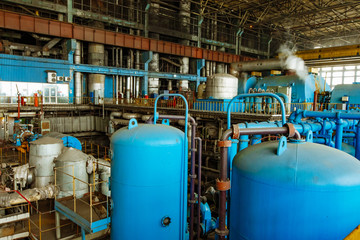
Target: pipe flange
[
  {"x": 222, "y": 185},
  {"x": 193, "y": 176},
  {"x": 221, "y": 233},
  {"x": 236, "y": 131},
  {"x": 291, "y": 129},
  {"x": 226, "y": 143}
]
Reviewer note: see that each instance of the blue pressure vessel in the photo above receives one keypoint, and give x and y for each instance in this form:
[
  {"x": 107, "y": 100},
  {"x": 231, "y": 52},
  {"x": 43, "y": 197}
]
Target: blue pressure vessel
[
  {"x": 295, "y": 190},
  {"x": 147, "y": 176}
]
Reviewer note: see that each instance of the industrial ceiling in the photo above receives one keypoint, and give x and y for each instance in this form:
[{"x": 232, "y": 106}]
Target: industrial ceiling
[{"x": 305, "y": 23}]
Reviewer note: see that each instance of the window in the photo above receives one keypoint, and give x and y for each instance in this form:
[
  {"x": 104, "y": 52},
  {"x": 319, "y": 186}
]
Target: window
[{"x": 349, "y": 80}]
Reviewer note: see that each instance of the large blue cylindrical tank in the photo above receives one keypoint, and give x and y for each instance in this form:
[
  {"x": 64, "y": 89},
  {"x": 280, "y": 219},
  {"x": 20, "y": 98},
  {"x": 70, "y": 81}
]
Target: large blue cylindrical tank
[
  {"x": 147, "y": 182},
  {"x": 310, "y": 191}
]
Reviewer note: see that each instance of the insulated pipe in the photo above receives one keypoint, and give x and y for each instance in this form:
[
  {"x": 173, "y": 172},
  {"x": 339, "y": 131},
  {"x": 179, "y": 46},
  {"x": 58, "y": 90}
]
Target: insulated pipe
[
  {"x": 258, "y": 65},
  {"x": 22, "y": 114},
  {"x": 77, "y": 80}
]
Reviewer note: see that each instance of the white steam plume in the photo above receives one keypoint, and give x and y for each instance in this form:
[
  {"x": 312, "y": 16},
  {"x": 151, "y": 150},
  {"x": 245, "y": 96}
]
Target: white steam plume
[{"x": 292, "y": 62}]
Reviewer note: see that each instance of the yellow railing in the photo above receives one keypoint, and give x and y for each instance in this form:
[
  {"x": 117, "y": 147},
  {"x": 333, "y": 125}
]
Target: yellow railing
[
  {"x": 96, "y": 150},
  {"x": 88, "y": 199},
  {"x": 12, "y": 154},
  {"x": 41, "y": 224}
]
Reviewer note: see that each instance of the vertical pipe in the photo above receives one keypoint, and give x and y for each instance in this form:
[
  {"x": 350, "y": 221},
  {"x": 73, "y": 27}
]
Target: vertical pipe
[
  {"x": 222, "y": 194},
  {"x": 78, "y": 85},
  {"x": 192, "y": 179},
  {"x": 57, "y": 224},
  {"x": 339, "y": 133},
  {"x": 357, "y": 144},
  {"x": 184, "y": 68},
  {"x": 199, "y": 186}
]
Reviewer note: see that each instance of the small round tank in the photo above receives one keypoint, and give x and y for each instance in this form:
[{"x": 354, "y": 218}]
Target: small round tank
[
  {"x": 147, "y": 182},
  {"x": 309, "y": 191},
  {"x": 42, "y": 154},
  {"x": 221, "y": 86},
  {"x": 70, "y": 159}
]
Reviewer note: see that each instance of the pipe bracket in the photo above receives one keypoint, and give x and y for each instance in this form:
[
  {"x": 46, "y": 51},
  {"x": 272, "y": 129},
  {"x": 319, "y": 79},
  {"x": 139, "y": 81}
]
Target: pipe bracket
[
  {"x": 222, "y": 185},
  {"x": 236, "y": 131},
  {"x": 221, "y": 233},
  {"x": 226, "y": 143},
  {"x": 291, "y": 129}
]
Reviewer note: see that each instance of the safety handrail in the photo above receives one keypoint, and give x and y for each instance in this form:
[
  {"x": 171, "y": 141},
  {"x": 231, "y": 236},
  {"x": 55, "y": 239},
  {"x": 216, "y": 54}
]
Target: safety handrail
[{"x": 282, "y": 106}]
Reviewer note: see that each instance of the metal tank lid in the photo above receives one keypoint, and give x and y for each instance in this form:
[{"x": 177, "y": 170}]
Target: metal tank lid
[
  {"x": 299, "y": 166},
  {"x": 147, "y": 134},
  {"x": 46, "y": 140},
  {"x": 71, "y": 155}
]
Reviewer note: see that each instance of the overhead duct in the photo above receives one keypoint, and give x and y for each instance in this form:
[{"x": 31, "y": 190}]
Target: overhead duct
[{"x": 259, "y": 65}]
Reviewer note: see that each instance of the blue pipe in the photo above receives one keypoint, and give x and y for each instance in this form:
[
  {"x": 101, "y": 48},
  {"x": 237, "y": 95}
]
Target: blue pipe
[
  {"x": 336, "y": 115},
  {"x": 357, "y": 144},
  {"x": 283, "y": 114},
  {"x": 339, "y": 133}
]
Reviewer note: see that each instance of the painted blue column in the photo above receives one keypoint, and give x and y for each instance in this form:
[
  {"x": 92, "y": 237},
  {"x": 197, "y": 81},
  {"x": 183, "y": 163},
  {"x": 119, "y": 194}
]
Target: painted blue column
[
  {"x": 71, "y": 46},
  {"x": 357, "y": 144},
  {"x": 339, "y": 133},
  {"x": 200, "y": 63},
  {"x": 146, "y": 58}
]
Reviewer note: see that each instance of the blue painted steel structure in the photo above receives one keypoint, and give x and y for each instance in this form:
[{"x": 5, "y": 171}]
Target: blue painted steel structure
[
  {"x": 31, "y": 69},
  {"x": 85, "y": 225},
  {"x": 308, "y": 185}
]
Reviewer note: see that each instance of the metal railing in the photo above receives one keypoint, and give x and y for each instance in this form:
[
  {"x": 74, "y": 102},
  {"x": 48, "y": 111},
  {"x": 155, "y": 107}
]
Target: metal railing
[
  {"x": 12, "y": 154},
  {"x": 96, "y": 150},
  {"x": 88, "y": 199},
  {"x": 258, "y": 106},
  {"x": 40, "y": 226}
]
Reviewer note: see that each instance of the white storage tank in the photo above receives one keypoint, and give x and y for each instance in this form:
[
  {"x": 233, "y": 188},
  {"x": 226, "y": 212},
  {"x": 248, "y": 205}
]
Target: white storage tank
[
  {"x": 42, "y": 154},
  {"x": 72, "y": 162},
  {"x": 221, "y": 86}
]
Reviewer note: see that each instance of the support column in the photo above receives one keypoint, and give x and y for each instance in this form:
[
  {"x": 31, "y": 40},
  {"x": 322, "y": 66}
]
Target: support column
[
  {"x": 268, "y": 50},
  {"x": 200, "y": 63},
  {"x": 78, "y": 75},
  {"x": 200, "y": 20},
  {"x": 70, "y": 11},
  {"x": 146, "y": 25},
  {"x": 146, "y": 58}
]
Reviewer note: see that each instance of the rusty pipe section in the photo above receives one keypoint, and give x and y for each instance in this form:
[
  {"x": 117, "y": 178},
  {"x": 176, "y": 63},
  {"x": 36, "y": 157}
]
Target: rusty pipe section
[{"x": 223, "y": 182}]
